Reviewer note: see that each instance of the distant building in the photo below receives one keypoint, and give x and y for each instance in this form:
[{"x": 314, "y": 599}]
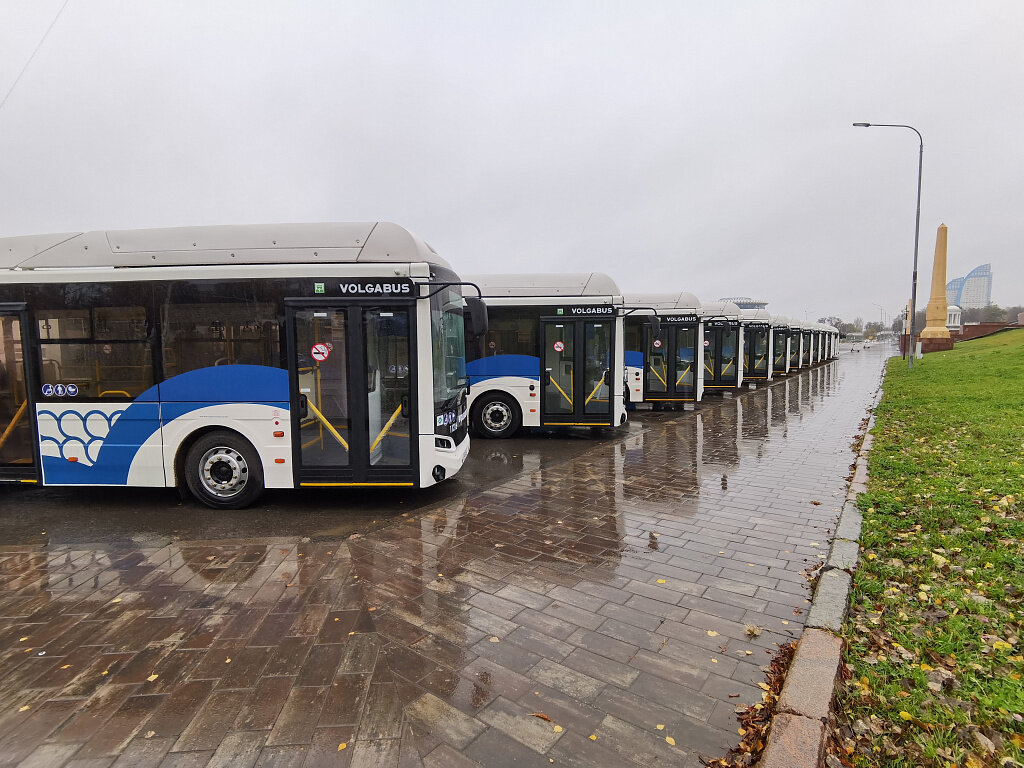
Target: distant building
[
  {"x": 972, "y": 291},
  {"x": 953, "y": 315},
  {"x": 745, "y": 302}
]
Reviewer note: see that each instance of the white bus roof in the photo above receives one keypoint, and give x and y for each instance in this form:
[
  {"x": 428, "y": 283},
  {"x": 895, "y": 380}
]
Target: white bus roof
[
  {"x": 546, "y": 284},
  {"x": 755, "y": 315},
  {"x": 682, "y": 300},
  {"x": 325, "y": 243},
  {"x": 780, "y": 321},
  {"x": 725, "y": 309}
]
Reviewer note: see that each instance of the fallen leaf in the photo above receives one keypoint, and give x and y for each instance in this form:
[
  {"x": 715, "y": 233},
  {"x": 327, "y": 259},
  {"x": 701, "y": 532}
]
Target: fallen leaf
[
  {"x": 149, "y": 734},
  {"x": 592, "y": 737},
  {"x": 22, "y": 640},
  {"x": 712, "y": 633},
  {"x": 541, "y": 715},
  {"x": 66, "y": 666},
  {"x": 494, "y": 639},
  {"x": 670, "y": 740},
  {"x": 660, "y": 727},
  {"x": 151, "y": 678},
  {"x": 661, "y": 581},
  {"x": 557, "y": 729},
  {"x": 342, "y": 746},
  {"x": 116, "y": 600},
  {"x": 24, "y": 708},
  {"x": 227, "y": 661}
]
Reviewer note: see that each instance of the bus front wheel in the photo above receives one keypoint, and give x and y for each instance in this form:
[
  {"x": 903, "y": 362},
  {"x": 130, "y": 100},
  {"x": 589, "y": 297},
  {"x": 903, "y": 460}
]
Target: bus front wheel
[
  {"x": 223, "y": 471},
  {"x": 496, "y": 415}
]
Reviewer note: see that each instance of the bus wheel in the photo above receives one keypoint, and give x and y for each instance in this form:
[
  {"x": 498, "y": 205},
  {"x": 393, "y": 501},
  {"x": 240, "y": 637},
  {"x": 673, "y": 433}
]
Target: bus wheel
[
  {"x": 223, "y": 471},
  {"x": 496, "y": 416}
]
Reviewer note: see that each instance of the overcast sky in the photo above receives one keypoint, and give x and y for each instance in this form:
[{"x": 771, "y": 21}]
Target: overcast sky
[{"x": 684, "y": 145}]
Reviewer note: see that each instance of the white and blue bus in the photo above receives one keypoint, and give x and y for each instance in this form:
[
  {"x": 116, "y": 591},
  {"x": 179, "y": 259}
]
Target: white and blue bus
[
  {"x": 663, "y": 364},
  {"x": 230, "y": 359},
  {"x": 723, "y": 347},
  {"x": 552, "y": 355}
]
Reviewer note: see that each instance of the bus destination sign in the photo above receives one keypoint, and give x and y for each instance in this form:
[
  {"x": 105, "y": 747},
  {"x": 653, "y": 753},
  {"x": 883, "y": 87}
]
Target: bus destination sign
[{"x": 359, "y": 288}]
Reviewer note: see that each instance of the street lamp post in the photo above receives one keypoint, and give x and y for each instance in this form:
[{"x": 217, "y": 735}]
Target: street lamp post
[{"x": 917, "y": 233}]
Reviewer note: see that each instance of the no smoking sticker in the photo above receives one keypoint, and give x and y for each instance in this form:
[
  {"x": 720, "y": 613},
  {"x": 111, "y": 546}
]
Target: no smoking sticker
[
  {"x": 559, "y": 346},
  {"x": 657, "y": 343},
  {"x": 320, "y": 352}
]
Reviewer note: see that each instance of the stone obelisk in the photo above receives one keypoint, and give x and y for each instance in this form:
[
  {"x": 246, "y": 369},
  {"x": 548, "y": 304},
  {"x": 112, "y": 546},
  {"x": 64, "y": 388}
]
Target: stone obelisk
[{"x": 935, "y": 336}]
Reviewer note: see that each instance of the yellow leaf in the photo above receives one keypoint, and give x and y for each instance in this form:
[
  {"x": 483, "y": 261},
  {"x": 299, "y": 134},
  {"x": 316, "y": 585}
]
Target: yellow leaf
[
  {"x": 671, "y": 741},
  {"x": 116, "y": 600},
  {"x": 66, "y": 666},
  {"x": 557, "y": 729},
  {"x": 763, "y": 686},
  {"x": 592, "y": 737},
  {"x": 661, "y": 581},
  {"x": 343, "y": 745},
  {"x": 1001, "y": 645},
  {"x": 227, "y": 661},
  {"x": 926, "y": 668},
  {"x": 904, "y": 715},
  {"x": 151, "y": 678},
  {"x": 22, "y": 640},
  {"x": 712, "y": 633},
  {"x": 24, "y": 708},
  {"x": 494, "y": 639},
  {"x": 714, "y": 661},
  {"x": 106, "y": 671},
  {"x": 660, "y": 727}
]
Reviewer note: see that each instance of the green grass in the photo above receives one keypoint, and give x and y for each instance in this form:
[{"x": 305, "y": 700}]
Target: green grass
[{"x": 934, "y": 654}]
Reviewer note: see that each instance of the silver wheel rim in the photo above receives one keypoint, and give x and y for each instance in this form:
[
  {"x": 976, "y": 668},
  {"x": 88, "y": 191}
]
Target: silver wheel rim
[
  {"x": 224, "y": 472},
  {"x": 496, "y": 416}
]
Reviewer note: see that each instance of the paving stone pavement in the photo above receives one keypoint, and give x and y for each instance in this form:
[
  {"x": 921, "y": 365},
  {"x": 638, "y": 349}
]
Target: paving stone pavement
[{"x": 610, "y": 594}]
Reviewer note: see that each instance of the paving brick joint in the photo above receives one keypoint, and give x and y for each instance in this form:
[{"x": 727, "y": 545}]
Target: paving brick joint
[{"x": 593, "y": 612}]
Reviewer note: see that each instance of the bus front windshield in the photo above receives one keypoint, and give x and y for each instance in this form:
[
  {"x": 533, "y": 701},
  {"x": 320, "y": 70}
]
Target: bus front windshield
[{"x": 447, "y": 334}]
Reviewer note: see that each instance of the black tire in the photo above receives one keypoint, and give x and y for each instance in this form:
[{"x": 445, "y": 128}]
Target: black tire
[
  {"x": 223, "y": 471},
  {"x": 496, "y": 416}
]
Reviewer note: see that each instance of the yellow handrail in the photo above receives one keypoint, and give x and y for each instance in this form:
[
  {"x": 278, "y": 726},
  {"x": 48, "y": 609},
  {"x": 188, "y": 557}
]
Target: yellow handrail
[
  {"x": 114, "y": 393},
  {"x": 599, "y": 383},
  {"x": 387, "y": 426},
  {"x": 683, "y": 374},
  {"x": 567, "y": 398},
  {"x": 330, "y": 427},
  {"x": 663, "y": 382},
  {"x": 14, "y": 422},
  {"x": 731, "y": 362}
]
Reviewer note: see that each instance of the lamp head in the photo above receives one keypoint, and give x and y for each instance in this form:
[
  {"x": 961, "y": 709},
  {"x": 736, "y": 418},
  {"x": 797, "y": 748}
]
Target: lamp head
[{"x": 862, "y": 125}]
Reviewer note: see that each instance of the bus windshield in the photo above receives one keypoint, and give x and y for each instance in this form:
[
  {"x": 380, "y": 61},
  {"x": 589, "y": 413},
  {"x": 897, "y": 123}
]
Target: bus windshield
[{"x": 448, "y": 338}]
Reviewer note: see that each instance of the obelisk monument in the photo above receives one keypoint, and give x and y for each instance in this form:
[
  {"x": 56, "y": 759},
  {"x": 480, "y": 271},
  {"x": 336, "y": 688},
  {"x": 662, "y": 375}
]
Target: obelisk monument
[{"x": 935, "y": 336}]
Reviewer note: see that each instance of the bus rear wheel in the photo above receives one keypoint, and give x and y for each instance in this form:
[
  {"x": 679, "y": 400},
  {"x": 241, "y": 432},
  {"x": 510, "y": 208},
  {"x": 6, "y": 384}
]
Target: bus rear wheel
[
  {"x": 496, "y": 415},
  {"x": 223, "y": 471}
]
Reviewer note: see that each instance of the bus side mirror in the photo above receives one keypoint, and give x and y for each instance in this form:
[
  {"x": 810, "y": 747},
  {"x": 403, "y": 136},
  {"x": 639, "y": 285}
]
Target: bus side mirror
[
  {"x": 655, "y": 324},
  {"x": 477, "y": 316}
]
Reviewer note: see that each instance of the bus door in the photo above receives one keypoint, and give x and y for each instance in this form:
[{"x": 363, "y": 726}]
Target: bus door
[
  {"x": 755, "y": 356},
  {"x": 670, "y": 371},
  {"x": 720, "y": 355},
  {"x": 352, "y": 385},
  {"x": 17, "y": 437},
  {"x": 576, "y": 375}
]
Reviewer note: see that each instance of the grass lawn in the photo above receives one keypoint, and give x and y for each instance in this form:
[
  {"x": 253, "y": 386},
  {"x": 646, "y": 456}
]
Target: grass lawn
[{"x": 933, "y": 661}]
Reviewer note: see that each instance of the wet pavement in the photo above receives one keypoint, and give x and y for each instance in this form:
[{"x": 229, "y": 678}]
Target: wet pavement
[{"x": 572, "y": 600}]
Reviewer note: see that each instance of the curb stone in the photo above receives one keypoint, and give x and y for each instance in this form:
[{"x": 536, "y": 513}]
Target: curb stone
[{"x": 797, "y": 735}]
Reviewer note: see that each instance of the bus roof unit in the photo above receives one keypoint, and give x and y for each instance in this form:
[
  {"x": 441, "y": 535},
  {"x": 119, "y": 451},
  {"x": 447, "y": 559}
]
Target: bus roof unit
[
  {"x": 546, "y": 284},
  {"x": 324, "y": 243},
  {"x": 682, "y": 300}
]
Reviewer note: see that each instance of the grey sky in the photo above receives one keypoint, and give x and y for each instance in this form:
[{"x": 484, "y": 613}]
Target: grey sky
[{"x": 704, "y": 146}]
